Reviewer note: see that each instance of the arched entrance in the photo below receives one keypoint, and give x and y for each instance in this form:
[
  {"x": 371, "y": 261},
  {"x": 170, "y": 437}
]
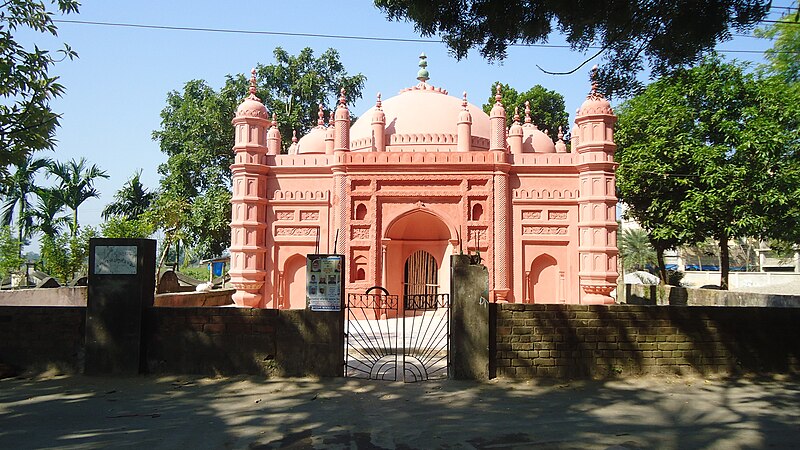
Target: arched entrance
[{"x": 420, "y": 275}]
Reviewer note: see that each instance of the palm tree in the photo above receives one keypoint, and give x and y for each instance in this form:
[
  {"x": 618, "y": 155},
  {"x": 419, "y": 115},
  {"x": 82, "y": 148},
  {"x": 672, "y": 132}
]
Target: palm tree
[
  {"x": 636, "y": 249},
  {"x": 131, "y": 200},
  {"x": 16, "y": 190},
  {"x": 76, "y": 184},
  {"x": 49, "y": 205}
]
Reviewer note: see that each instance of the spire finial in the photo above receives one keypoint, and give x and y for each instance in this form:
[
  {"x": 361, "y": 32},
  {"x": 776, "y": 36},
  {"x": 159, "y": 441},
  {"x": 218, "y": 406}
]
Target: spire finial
[
  {"x": 342, "y": 99},
  {"x": 320, "y": 117},
  {"x": 560, "y": 133},
  {"x": 253, "y": 85},
  {"x": 464, "y": 102},
  {"x": 378, "y": 101},
  {"x": 516, "y": 114},
  {"x": 498, "y": 97},
  {"x": 274, "y": 120},
  {"x": 423, "y": 74},
  {"x": 294, "y": 136},
  {"x": 527, "y": 112},
  {"x": 330, "y": 119},
  {"x": 593, "y": 74}
]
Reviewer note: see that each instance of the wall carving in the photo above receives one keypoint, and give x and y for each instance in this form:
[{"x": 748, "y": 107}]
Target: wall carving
[
  {"x": 309, "y": 216},
  {"x": 523, "y": 194},
  {"x": 536, "y": 230},
  {"x": 300, "y": 195},
  {"x": 359, "y": 233},
  {"x": 284, "y": 215},
  {"x": 557, "y": 215},
  {"x": 531, "y": 215},
  {"x": 296, "y": 231}
]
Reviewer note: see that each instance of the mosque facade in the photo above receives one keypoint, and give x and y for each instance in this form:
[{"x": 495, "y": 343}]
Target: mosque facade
[{"x": 419, "y": 177}]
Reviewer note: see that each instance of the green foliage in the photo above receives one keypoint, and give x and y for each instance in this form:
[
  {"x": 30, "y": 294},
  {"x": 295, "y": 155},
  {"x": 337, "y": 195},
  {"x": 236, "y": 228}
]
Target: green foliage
[
  {"x": 636, "y": 251},
  {"x": 16, "y": 191},
  {"x": 197, "y": 135},
  {"x": 75, "y": 184},
  {"x": 547, "y": 107},
  {"x": 131, "y": 201},
  {"x": 27, "y": 123},
  {"x": 662, "y": 34},
  {"x": 122, "y": 227},
  {"x": 784, "y": 56},
  {"x": 65, "y": 256},
  {"x": 46, "y": 214},
  {"x": 712, "y": 152},
  {"x": 10, "y": 261}
]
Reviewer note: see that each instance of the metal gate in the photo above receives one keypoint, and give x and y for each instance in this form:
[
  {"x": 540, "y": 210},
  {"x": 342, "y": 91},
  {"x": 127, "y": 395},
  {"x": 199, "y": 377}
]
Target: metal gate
[{"x": 389, "y": 340}]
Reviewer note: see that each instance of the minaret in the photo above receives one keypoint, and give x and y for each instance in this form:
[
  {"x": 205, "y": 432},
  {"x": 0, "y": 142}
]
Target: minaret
[
  {"x": 497, "y": 124},
  {"x": 378, "y": 127},
  {"x": 593, "y": 141},
  {"x": 341, "y": 138},
  {"x": 561, "y": 147},
  {"x": 248, "y": 201},
  {"x": 515, "y": 134},
  {"x": 329, "y": 132},
  {"x": 464, "y": 127},
  {"x": 274, "y": 137}
]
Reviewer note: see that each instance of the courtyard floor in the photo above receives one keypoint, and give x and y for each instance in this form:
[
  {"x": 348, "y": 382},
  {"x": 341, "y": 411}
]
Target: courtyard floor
[{"x": 78, "y": 412}]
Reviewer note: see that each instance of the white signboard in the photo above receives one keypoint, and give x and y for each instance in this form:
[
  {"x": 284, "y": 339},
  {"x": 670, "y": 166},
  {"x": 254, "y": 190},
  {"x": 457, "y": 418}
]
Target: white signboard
[{"x": 115, "y": 260}]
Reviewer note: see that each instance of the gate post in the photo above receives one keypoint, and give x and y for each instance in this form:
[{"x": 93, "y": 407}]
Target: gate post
[{"x": 471, "y": 339}]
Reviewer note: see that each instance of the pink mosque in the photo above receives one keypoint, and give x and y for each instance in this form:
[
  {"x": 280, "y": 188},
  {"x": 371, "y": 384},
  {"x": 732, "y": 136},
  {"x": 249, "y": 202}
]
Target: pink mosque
[{"x": 419, "y": 177}]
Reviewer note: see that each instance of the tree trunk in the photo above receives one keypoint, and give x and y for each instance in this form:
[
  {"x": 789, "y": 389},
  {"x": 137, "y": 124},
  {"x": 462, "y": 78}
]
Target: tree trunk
[
  {"x": 74, "y": 222},
  {"x": 724, "y": 262},
  {"x": 662, "y": 267}
]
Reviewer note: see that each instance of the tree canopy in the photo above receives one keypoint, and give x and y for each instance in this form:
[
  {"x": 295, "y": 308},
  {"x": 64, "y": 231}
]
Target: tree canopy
[
  {"x": 712, "y": 151},
  {"x": 547, "y": 107},
  {"x": 631, "y": 35},
  {"x": 27, "y": 123},
  {"x": 197, "y": 136},
  {"x": 784, "y": 56}
]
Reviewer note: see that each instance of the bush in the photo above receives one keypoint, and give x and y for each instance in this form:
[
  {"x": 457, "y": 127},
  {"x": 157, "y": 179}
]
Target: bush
[{"x": 674, "y": 277}]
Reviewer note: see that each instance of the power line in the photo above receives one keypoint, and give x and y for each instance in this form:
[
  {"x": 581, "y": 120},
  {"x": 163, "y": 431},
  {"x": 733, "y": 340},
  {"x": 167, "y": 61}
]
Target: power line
[{"x": 322, "y": 36}]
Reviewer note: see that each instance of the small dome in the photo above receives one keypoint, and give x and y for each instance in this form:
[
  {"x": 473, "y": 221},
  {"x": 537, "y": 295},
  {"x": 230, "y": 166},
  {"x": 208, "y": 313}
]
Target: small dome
[
  {"x": 312, "y": 142},
  {"x": 251, "y": 107},
  {"x": 536, "y": 141},
  {"x": 594, "y": 105}
]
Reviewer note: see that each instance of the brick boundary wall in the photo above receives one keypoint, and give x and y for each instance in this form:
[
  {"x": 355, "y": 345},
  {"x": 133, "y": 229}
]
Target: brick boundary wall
[
  {"x": 575, "y": 341},
  {"x": 42, "y": 339},
  {"x": 638, "y": 294}
]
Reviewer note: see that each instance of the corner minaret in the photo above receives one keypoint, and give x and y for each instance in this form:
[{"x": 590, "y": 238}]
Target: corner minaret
[
  {"x": 497, "y": 124},
  {"x": 464, "y": 127},
  {"x": 274, "y": 137},
  {"x": 515, "y": 134},
  {"x": 341, "y": 138},
  {"x": 593, "y": 141},
  {"x": 378, "y": 127},
  {"x": 248, "y": 201}
]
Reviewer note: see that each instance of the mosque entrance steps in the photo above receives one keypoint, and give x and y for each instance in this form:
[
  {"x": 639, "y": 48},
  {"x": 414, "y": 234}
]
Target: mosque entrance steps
[{"x": 393, "y": 341}]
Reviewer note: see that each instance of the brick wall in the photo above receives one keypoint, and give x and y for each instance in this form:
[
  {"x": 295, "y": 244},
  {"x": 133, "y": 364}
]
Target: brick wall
[
  {"x": 624, "y": 340},
  {"x": 40, "y": 338}
]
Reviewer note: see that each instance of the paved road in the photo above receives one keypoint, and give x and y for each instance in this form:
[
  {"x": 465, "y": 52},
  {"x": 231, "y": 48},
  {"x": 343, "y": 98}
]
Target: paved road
[{"x": 250, "y": 413}]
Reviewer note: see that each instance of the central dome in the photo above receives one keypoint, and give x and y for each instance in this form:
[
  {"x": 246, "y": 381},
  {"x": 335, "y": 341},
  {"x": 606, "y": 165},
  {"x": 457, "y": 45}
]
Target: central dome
[{"x": 419, "y": 115}]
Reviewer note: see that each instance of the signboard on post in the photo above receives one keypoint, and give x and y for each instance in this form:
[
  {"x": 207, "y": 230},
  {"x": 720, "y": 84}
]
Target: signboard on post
[{"x": 324, "y": 282}]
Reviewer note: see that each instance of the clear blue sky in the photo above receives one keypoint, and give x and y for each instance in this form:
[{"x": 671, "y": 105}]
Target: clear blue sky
[{"x": 117, "y": 87}]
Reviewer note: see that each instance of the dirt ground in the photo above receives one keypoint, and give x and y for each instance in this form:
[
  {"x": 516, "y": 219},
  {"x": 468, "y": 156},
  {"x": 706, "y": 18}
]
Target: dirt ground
[{"x": 78, "y": 412}]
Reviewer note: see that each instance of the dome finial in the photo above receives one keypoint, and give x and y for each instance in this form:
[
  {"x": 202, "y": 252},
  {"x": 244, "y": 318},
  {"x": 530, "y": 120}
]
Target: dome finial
[
  {"x": 593, "y": 75},
  {"x": 527, "y": 112},
  {"x": 560, "y": 133},
  {"x": 378, "y": 101},
  {"x": 498, "y": 97},
  {"x": 423, "y": 75},
  {"x": 320, "y": 117},
  {"x": 275, "y": 120},
  {"x": 253, "y": 85},
  {"x": 342, "y": 99},
  {"x": 516, "y": 114},
  {"x": 464, "y": 102},
  {"x": 294, "y": 136}
]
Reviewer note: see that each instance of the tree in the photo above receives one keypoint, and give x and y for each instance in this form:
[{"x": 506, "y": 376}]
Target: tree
[
  {"x": 547, "y": 107},
  {"x": 714, "y": 152},
  {"x": 10, "y": 260},
  {"x": 27, "y": 123},
  {"x": 45, "y": 214},
  {"x": 783, "y": 56},
  {"x": 64, "y": 256},
  {"x": 128, "y": 228},
  {"x": 76, "y": 184},
  {"x": 17, "y": 189},
  {"x": 637, "y": 253},
  {"x": 131, "y": 201},
  {"x": 662, "y": 34},
  {"x": 197, "y": 135}
]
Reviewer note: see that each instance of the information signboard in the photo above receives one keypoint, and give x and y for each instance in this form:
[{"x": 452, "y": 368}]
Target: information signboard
[{"x": 324, "y": 282}]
